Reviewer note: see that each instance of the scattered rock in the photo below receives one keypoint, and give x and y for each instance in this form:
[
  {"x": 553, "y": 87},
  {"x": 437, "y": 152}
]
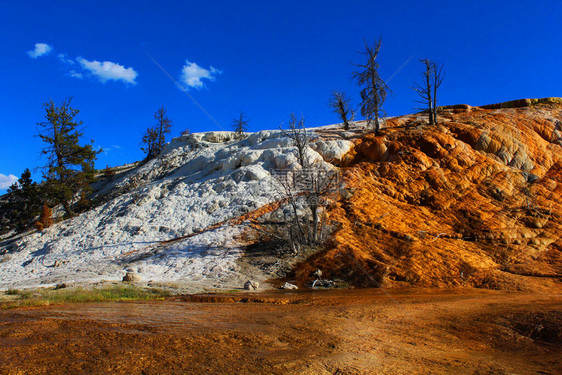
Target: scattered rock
[
  {"x": 132, "y": 277},
  {"x": 319, "y": 283},
  {"x": 532, "y": 178},
  {"x": 408, "y": 238},
  {"x": 251, "y": 285},
  {"x": 289, "y": 286}
]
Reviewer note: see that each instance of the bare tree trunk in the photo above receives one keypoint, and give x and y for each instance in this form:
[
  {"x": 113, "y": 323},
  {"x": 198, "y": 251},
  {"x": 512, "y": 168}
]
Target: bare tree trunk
[
  {"x": 429, "y": 100},
  {"x": 68, "y": 208},
  {"x": 322, "y": 224},
  {"x": 314, "y": 211}
]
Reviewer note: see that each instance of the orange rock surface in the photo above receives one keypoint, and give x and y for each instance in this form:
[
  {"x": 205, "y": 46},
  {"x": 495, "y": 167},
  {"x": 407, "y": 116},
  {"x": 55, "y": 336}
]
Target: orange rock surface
[{"x": 475, "y": 200}]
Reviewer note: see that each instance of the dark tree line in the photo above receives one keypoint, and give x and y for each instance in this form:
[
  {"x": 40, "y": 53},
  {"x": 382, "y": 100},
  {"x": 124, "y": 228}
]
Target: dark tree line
[
  {"x": 67, "y": 173},
  {"x": 24, "y": 202}
]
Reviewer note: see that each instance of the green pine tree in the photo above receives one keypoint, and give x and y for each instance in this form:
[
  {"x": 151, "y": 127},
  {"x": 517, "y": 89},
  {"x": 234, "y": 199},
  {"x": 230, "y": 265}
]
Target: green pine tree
[
  {"x": 24, "y": 201},
  {"x": 70, "y": 166}
]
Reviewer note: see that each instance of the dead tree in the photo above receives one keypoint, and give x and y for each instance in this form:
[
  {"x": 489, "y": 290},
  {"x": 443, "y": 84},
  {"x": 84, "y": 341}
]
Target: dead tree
[
  {"x": 432, "y": 78},
  {"x": 306, "y": 192},
  {"x": 303, "y": 193},
  {"x": 374, "y": 89},
  {"x": 296, "y": 131},
  {"x": 240, "y": 126},
  {"x": 340, "y": 105},
  {"x": 437, "y": 80},
  {"x": 424, "y": 90}
]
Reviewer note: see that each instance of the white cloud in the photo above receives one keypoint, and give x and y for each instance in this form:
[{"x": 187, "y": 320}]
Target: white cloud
[
  {"x": 40, "y": 50},
  {"x": 108, "y": 149},
  {"x": 63, "y": 57},
  {"x": 68, "y": 65},
  {"x": 6, "y": 181},
  {"x": 75, "y": 74},
  {"x": 192, "y": 75},
  {"x": 107, "y": 71}
]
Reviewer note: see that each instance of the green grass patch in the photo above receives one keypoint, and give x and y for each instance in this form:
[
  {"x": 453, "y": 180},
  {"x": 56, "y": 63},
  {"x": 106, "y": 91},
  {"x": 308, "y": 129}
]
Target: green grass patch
[{"x": 45, "y": 297}]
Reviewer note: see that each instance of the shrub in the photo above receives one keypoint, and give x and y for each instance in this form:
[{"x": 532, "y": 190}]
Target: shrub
[{"x": 45, "y": 219}]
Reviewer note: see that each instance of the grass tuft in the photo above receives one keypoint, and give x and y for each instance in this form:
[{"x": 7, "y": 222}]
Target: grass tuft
[{"x": 45, "y": 297}]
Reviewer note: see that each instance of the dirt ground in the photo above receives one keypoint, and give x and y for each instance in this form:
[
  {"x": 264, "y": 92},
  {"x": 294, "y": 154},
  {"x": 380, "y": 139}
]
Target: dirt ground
[{"x": 413, "y": 331}]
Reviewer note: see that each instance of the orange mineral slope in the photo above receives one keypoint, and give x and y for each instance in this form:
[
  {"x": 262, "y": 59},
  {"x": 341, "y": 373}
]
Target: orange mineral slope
[{"x": 475, "y": 201}]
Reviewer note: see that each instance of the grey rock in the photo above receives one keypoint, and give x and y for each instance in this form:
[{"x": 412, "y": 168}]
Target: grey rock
[
  {"x": 289, "y": 286},
  {"x": 532, "y": 178},
  {"x": 251, "y": 285},
  {"x": 132, "y": 277}
]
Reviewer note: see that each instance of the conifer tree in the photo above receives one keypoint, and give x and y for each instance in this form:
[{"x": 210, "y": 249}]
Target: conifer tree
[
  {"x": 154, "y": 137},
  {"x": 240, "y": 125},
  {"x": 163, "y": 126},
  {"x": 45, "y": 219},
  {"x": 24, "y": 202},
  {"x": 70, "y": 166},
  {"x": 149, "y": 143}
]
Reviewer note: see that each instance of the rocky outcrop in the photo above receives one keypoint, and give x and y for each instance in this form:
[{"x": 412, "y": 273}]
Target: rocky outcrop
[
  {"x": 251, "y": 285},
  {"x": 132, "y": 277}
]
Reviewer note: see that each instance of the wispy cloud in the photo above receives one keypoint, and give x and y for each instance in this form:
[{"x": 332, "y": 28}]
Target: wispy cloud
[
  {"x": 107, "y": 149},
  {"x": 69, "y": 65},
  {"x": 63, "y": 58},
  {"x": 108, "y": 71},
  {"x": 6, "y": 181},
  {"x": 74, "y": 74},
  {"x": 79, "y": 67},
  {"x": 192, "y": 75},
  {"x": 40, "y": 49}
]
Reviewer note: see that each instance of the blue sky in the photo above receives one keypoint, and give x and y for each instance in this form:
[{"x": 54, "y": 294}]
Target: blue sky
[{"x": 267, "y": 58}]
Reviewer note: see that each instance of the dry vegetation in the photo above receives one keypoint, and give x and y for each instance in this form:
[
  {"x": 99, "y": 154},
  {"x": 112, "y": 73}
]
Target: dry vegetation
[{"x": 14, "y": 298}]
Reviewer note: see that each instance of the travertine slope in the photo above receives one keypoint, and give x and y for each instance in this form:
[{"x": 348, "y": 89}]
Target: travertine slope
[{"x": 476, "y": 200}]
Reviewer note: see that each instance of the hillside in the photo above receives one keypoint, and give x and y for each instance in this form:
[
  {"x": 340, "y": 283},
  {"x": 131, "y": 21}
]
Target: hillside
[
  {"x": 474, "y": 201},
  {"x": 195, "y": 194}
]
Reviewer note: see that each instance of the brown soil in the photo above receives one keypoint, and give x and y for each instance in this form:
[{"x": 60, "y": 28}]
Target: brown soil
[{"x": 419, "y": 331}]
